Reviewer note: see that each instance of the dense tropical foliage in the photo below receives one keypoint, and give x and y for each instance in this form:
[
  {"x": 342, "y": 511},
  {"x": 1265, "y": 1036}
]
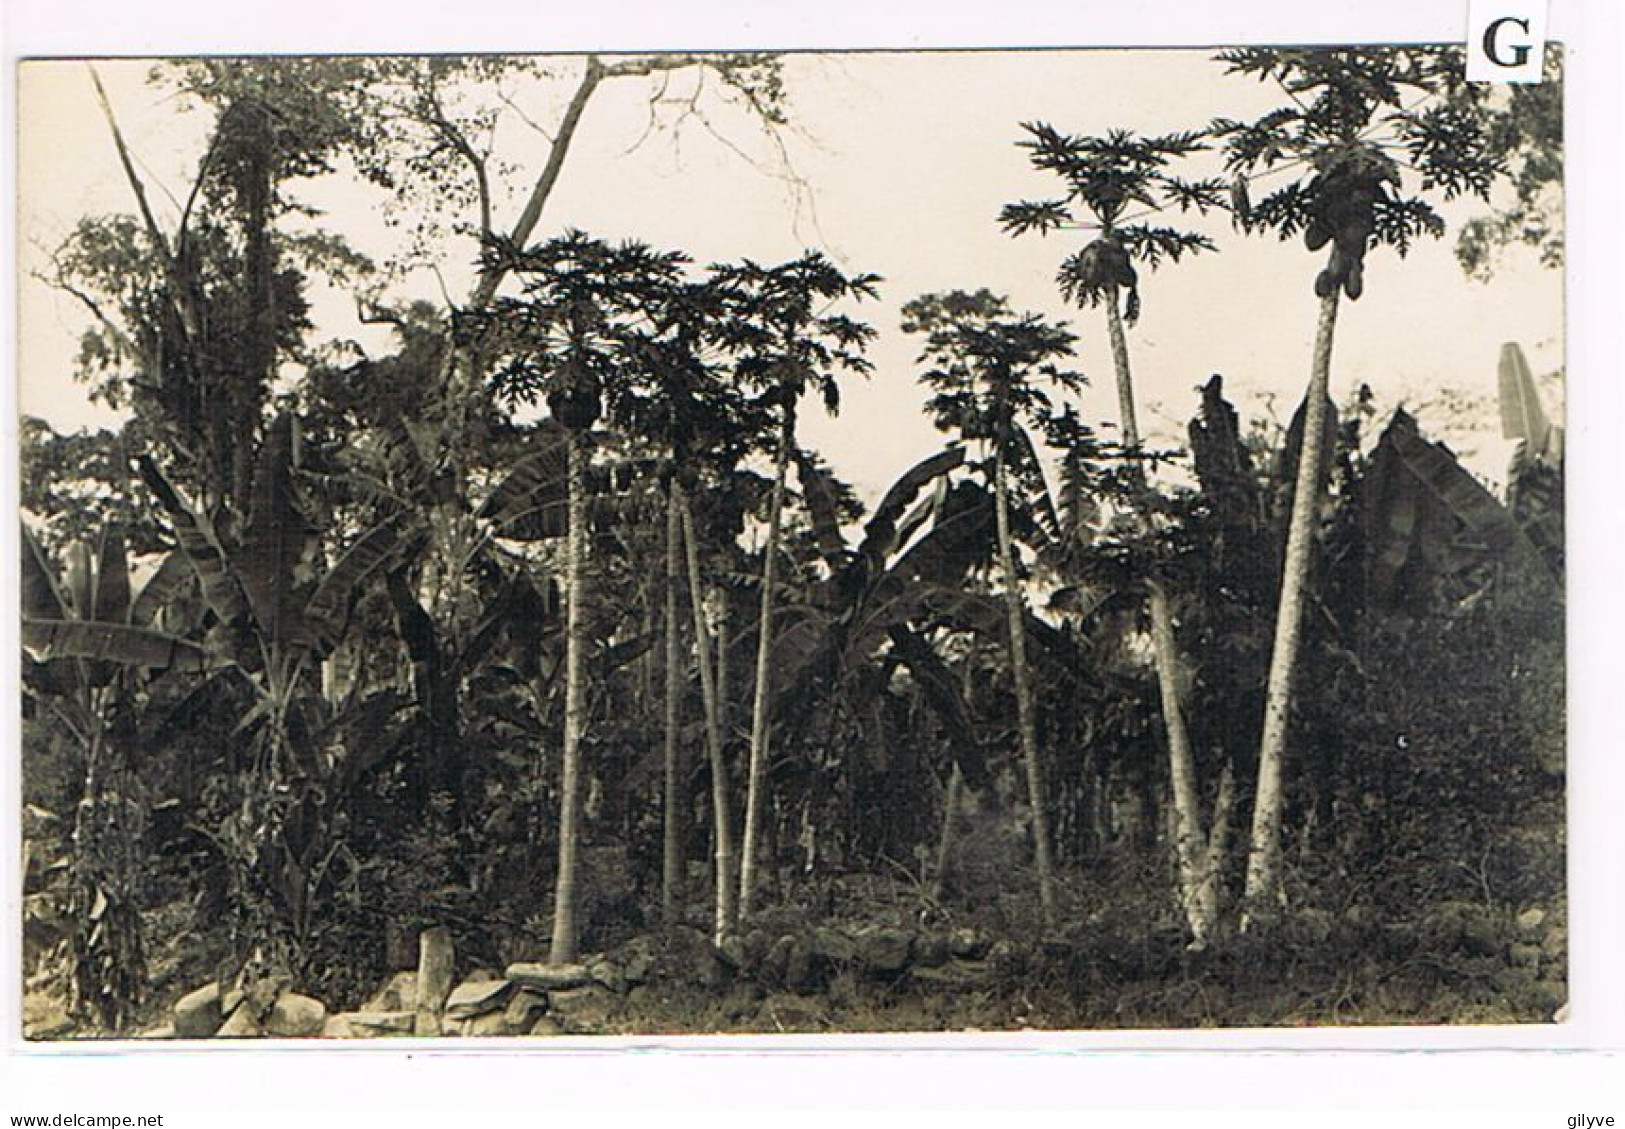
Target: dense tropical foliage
[{"x": 545, "y": 628}]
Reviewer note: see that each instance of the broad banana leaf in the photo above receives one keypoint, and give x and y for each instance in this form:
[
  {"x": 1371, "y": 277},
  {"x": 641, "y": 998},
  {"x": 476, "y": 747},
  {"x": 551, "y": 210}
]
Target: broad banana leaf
[
  {"x": 116, "y": 643},
  {"x": 42, "y": 599},
  {"x": 880, "y": 532},
  {"x": 941, "y": 688},
  {"x": 532, "y": 502},
  {"x": 79, "y": 580},
  {"x": 197, "y": 539},
  {"x": 1523, "y": 416},
  {"x": 171, "y": 578},
  {"x": 112, "y": 602},
  {"x": 277, "y": 540},
  {"x": 327, "y": 612},
  {"x": 1424, "y": 511},
  {"x": 819, "y": 495},
  {"x": 1286, "y": 468},
  {"x": 1026, "y": 476},
  {"x": 1224, "y": 466}
]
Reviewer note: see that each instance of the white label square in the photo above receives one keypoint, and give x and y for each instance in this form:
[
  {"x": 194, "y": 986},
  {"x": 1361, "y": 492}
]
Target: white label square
[{"x": 1506, "y": 40}]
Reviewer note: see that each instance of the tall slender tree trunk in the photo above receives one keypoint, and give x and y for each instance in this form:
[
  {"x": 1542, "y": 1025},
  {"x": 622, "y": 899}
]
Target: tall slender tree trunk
[
  {"x": 764, "y": 670},
  {"x": 1198, "y": 889},
  {"x": 1026, "y": 719},
  {"x": 723, "y": 682},
  {"x": 671, "y": 858},
  {"x": 722, "y": 818},
  {"x": 1264, "y": 852},
  {"x": 950, "y": 825},
  {"x": 563, "y": 950}
]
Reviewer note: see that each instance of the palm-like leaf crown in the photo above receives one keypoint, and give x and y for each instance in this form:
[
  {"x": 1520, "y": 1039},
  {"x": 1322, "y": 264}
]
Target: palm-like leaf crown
[
  {"x": 782, "y": 331},
  {"x": 572, "y": 336},
  {"x": 1358, "y": 118},
  {"x": 1115, "y": 185}
]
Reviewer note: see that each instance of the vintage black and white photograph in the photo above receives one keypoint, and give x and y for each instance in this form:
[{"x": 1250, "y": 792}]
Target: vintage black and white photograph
[{"x": 551, "y": 546}]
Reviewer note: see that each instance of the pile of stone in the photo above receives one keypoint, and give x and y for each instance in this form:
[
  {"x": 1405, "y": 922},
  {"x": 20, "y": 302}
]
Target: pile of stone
[
  {"x": 804, "y": 960},
  {"x": 526, "y": 999},
  {"x": 591, "y": 997}
]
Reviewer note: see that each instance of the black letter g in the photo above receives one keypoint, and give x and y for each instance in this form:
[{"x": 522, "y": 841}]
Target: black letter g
[{"x": 1520, "y": 51}]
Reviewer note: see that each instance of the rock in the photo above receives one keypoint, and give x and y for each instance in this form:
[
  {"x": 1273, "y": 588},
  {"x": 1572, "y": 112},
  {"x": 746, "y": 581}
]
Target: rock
[
  {"x": 776, "y": 961},
  {"x": 230, "y": 1000},
  {"x": 436, "y": 967},
  {"x": 740, "y": 1001},
  {"x": 261, "y": 994},
  {"x": 492, "y": 1023},
  {"x": 399, "y": 993},
  {"x": 609, "y": 975},
  {"x": 241, "y": 1024},
  {"x": 1525, "y": 958},
  {"x": 1463, "y": 927},
  {"x": 931, "y": 950},
  {"x": 198, "y": 1014},
  {"x": 524, "y": 1007},
  {"x": 756, "y": 943},
  {"x": 337, "y": 1027},
  {"x": 798, "y": 966},
  {"x": 842, "y": 990},
  {"x": 582, "y": 1011},
  {"x": 1553, "y": 994},
  {"x": 1561, "y": 1015},
  {"x": 166, "y": 1031},
  {"x": 784, "y": 1012},
  {"x": 52, "y": 1023},
  {"x": 477, "y": 997},
  {"x": 968, "y": 944},
  {"x": 637, "y": 960},
  {"x": 480, "y": 976},
  {"x": 546, "y": 1025},
  {"x": 379, "y": 1024},
  {"x": 1555, "y": 945},
  {"x": 549, "y": 977},
  {"x": 884, "y": 951},
  {"x": 1312, "y": 925},
  {"x": 832, "y": 945},
  {"x": 1532, "y": 924},
  {"x": 296, "y": 1017},
  {"x": 732, "y": 953},
  {"x": 954, "y": 974}
]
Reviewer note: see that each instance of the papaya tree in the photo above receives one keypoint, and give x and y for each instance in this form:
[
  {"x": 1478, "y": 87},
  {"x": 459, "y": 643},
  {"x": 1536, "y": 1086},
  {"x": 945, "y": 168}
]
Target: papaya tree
[
  {"x": 783, "y": 341},
  {"x": 565, "y": 341},
  {"x": 680, "y": 400},
  {"x": 1116, "y": 186},
  {"x": 1354, "y": 120},
  {"x": 988, "y": 369}
]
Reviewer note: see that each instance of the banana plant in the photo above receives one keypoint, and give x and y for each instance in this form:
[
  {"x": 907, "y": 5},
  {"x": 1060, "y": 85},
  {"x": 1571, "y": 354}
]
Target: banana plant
[
  {"x": 90, "y": 640},
  {"x": 275, "y": 616}
]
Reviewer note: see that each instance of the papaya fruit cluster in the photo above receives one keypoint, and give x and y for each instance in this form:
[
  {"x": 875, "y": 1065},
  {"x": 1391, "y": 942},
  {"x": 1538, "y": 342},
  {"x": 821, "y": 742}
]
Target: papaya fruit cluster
[
  {"x": 1343, "y": 202},
  {"x": 1105, "y": 263},
  {"x": 578, "y": 401}
]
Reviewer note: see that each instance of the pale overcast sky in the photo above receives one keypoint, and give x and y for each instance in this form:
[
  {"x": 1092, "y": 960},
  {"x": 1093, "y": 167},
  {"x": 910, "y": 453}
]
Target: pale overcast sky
[{"x": 907, "y": 159}]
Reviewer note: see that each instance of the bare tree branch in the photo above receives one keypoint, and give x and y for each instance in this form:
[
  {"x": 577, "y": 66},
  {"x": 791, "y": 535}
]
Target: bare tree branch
[{"x": 532, "y": 213}]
